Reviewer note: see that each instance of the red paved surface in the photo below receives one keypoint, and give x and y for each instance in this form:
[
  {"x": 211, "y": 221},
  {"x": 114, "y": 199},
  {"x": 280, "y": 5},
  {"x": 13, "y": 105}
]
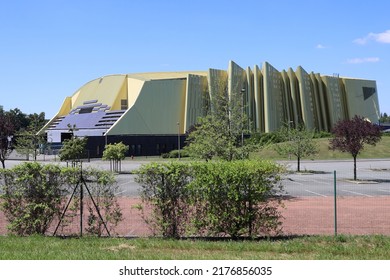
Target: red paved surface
[{"x": 302, "y": 216}]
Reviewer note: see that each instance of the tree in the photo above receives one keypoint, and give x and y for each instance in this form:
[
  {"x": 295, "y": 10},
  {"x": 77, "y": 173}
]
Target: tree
[
  {"x": 297, "y": 142},
  {"x": 7, "y": 130},
  {"x": 73, "y": 149},
  {"x": 19, "y": 119},
  {"x": 221, "y": 132},
  {"x": 351, "y": 135},
  {"x": 27, "y": 144},
  {"x": 115, "y": 153},
  {"x": 384, "y": 118},
  {"x": 28, "y": 141}
]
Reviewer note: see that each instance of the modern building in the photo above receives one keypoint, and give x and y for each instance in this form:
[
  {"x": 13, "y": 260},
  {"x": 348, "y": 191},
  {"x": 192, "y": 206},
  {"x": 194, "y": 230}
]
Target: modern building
[{"x": 151, "y": 112}]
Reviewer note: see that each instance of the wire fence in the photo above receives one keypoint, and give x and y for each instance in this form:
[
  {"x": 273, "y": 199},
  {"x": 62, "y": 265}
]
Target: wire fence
[{"x": 321, "y": 200}]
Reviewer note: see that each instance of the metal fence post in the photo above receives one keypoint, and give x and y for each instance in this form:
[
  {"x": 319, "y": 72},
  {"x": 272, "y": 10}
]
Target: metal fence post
[{"x": 335, "y": 202}]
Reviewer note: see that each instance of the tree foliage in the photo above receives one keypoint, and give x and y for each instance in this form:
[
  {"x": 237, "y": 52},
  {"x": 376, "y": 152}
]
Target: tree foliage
[
  {"x": 220, "y": 134},
  {"x": 297, "y": 142},
  {"x": 73, "y": 149},
  {"x": 33, "y": 194},
  {"x": 28, "y": 141},
  {"x": 216, "y": 198},
  {"x": 384, "y": 118},
  {"x": 350, "y": 136},
  {"x": 164, "y": 189},
  {"x": 7, "y": 130},
  {"x": 102, "y": 187},
  {"x": 18, "y": 130},
  {"x": 237, "y": 198},
  {"x": 115, "y": 153}
]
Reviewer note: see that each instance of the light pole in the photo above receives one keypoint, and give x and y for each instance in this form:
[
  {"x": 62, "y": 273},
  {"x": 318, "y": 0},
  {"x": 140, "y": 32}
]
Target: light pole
[{"x": 178, "y": 139}]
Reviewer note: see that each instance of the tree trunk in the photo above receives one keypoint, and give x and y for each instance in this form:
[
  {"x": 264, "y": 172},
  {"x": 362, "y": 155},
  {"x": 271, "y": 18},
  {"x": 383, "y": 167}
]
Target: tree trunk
[
  {"x": 299, "y": 164},
  {"x": 3, "y": 163},
  {"x": 354, "y": 167}
]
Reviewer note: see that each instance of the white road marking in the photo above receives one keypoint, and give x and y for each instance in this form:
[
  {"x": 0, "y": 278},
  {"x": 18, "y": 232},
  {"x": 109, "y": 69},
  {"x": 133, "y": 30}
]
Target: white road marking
[
  {"x": 316, "y": 193},
  {"x": 362, "y": 194},
  {"x": 382, "y": 190}
]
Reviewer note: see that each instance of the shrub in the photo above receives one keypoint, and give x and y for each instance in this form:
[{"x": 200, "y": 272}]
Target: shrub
[
  {"x": 175, "y": 154},
  {"x": 102, "y": 187},
  {"x": 237, "y": 198},
  {"x": 32, "y": 196},
  {"x": 164, "y": 189},
  {"x": 234, "y": 199}
]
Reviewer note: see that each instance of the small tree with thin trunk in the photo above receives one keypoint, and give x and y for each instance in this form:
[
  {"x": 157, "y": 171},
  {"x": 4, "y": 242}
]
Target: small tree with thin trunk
[
  {"x": 351, "y": 135},
  {"x": 220, "y": 133},
  {"x": 115, "y": 153},
  {"x": 298, "y": 142}
]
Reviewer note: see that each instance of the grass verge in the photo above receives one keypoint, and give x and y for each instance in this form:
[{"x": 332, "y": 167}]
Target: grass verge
[
  {"x": 298, "y": 248},
  {"x": 381, "y": 150}
]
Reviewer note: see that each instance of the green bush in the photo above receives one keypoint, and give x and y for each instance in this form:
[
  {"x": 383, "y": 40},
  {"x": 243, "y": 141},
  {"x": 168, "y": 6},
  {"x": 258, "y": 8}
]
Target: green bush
[
  {"x": 164, "y": 189},
  {"x": 237, "y": 198},
  {"x": 234, "y": 199},
  {"x": 34, "y": 195},
  {"x": 175, "y": 154},
  {"x": 264, "y": 139},
  {"x": 102, "y": 187}
]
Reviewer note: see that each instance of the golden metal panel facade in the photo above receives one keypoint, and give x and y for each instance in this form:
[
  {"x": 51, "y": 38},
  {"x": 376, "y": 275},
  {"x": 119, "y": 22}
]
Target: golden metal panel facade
[{"x": 154, "y": 103}]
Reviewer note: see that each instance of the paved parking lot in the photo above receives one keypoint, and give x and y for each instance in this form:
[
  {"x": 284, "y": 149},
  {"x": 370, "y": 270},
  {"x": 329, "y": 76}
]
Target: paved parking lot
[
  {"x": 373, "y": 178},
  {"x": 317, "y": 181}
]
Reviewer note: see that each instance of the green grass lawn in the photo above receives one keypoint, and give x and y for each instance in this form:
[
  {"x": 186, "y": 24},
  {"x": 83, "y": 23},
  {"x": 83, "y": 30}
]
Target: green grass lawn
[
  {"x": 91, "y": 248},
  {"x": 381, "y": 150}
]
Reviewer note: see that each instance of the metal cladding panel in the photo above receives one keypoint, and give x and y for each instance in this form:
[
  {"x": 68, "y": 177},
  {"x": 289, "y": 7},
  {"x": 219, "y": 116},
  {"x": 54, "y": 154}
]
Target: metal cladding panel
[
  {"x": 236, "y": 79},
  {"x": 295, "y": 99},
  {"x": 362, "y": 98},
  {"x": 323, "y": 103},
  {"x": 259, "y": 98},
  {"x": 105, "y": 90},
  {"x": 157, "y": 102},
  {"x": 250, "y": 94},
  {"x": 287, "y": 101},
  {"x": 273, "y": 115},
  {"x": 218, "y": 80},
  {"x": 334, "y": 100},
  {"x": 307, "y": 102},
  {"x": 195, "y": 99},
  {"x": 134, "y": 87},
  {"x": 318, "y": 122},
  {"x": 158, "y": 109}
]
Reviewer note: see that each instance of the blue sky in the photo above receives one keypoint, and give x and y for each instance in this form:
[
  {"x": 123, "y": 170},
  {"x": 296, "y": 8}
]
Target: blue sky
[{"x": 50, "y": 48}]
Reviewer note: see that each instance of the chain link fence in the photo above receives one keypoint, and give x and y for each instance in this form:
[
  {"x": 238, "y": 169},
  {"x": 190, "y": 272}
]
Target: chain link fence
[{"x": 322, "y": 199}]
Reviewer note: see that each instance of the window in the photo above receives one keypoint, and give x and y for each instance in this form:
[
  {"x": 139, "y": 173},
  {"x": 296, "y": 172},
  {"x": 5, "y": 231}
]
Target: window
[
  {"x": 124, "y": 104},
  {"x": 368, "y": 92},
  {"x": 158, "y": 149}
]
